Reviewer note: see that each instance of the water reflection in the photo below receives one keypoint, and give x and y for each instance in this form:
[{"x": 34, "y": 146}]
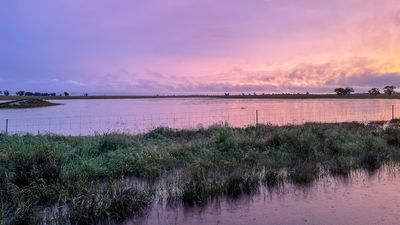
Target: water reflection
[
  {"x": 139, "y": 115},
  {"x": 364, "y": 197}
]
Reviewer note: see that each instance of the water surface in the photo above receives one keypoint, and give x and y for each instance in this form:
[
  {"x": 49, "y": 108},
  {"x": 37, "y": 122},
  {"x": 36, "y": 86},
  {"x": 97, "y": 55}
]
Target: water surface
[
  {"x": 363, "y": 198},
  {"x": 139, "y": 115}
]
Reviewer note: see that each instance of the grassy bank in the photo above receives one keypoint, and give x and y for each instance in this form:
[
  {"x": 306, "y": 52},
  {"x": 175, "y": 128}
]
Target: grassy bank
[
  {"x": 26, "y": 103},
  {"x": 85, "y": 180}
]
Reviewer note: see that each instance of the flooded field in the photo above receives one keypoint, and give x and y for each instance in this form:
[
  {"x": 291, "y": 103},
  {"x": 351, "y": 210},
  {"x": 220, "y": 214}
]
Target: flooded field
[
  {"x": 362, "y": 198},
  {"x": 84, "y": 117}
]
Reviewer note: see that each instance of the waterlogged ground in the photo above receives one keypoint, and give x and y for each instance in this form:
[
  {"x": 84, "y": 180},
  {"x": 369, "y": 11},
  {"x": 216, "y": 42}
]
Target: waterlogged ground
[
  {"x": 362, "y": 198},
  {"x": 308, "y": 174},
  {"x": 83, "y": 117}
]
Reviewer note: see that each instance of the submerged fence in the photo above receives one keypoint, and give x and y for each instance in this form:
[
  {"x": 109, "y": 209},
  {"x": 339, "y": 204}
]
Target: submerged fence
[{"x": 235, "y": 117}]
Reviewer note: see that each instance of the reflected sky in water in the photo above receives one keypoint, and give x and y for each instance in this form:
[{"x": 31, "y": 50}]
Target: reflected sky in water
[
  {"x": 364, "y": 198},
  {"x": 76, "y": 117}
]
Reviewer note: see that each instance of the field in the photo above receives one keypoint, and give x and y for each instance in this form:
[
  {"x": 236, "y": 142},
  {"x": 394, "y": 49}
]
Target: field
[{"x": 90, "y": 179}]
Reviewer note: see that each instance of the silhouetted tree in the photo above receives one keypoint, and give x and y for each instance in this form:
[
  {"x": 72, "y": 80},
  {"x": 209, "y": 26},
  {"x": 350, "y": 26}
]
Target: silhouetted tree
[
  {"x": 339, "y": 91},
  {"x": 344, "y": 91},
  {"x": 86, "y": 94},
  {"x": 66, "y": 94},
  {"x": 374, "y": 91},
  {"x": 389, "y": 90},
  {"x": 6, "y": 93},
  {"x": 348, "y": 90},
  {"x": 20, "y": 93}
]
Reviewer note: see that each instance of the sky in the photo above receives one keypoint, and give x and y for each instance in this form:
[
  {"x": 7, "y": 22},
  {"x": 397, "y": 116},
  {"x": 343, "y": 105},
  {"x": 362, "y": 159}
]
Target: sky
[{"x": 198, "y": 46}]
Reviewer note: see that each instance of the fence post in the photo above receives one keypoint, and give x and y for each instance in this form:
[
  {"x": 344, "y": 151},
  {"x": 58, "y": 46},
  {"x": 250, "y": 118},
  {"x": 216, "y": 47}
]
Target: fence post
[
  {"x": 6, "y": 126},
  {"x": 392, "y": 112},
  {"x": 256, "y": 117}
]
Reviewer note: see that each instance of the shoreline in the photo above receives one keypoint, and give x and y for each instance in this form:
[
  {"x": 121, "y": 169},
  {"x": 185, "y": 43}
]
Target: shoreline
[{"x": 269, "y": 96}]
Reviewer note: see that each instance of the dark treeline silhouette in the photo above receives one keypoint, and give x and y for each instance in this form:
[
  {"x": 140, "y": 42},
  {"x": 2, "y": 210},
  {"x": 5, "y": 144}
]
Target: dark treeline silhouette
[
  {"x": 27, "y": 93},
  {"x": 389, "y": 90}
]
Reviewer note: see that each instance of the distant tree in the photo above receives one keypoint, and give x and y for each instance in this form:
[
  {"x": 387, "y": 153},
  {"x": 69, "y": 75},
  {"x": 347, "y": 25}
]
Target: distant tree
[
  {"x": 348, "y": 90},
  {"x": 66, "y": 94},
  {"x": 344, "y": 91},
  {"x": 307, "y": 93},
  {"x": 389, "y": 90},
  {"x": 374, "y": 91},
  {"x": 20, "y": 93},
  {"x": 1, "y": 92},
  {"x": 86, "y": 94},
  {"x": 226, "y": 94},
  {"x": 339, "y": 91},
  {"x": 6, "y": 93}
]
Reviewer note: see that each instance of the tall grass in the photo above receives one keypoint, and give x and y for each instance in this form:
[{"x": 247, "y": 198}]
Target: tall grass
[{"x": 83, "y": 174}]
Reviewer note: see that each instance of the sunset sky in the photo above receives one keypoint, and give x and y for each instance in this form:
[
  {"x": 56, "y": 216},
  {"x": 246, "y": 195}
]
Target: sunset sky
[{"x": 198, "y": 46}]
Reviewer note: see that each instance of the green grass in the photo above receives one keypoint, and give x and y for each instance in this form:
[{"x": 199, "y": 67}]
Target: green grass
[{"x": 87, "y": 176}]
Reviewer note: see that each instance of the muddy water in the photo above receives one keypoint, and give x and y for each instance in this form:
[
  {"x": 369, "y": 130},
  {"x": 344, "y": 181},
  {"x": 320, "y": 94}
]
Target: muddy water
[{"x": 362, "y": 198}]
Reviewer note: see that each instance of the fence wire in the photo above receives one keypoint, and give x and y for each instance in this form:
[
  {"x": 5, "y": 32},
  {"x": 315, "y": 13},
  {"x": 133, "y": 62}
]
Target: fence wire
[{"x": 235, "y": 117}]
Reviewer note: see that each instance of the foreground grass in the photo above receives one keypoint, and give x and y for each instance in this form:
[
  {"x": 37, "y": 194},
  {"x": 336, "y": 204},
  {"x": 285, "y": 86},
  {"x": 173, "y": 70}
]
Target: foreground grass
[{"x": 81, "y": 180}]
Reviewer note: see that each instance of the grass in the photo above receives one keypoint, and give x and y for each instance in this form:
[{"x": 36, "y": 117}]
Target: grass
[
  {"x": 26, "y": 103},
  {"x": 83, "y": 180}
]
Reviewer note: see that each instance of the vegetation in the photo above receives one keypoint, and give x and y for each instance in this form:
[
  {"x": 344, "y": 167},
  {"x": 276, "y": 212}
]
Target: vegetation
[
  {"x": 374, "y": 91},
  {"x": 389, "y": 90},
  {"x": 27, "y": 93},
  {"x": 344, "y": 91},
  {"x": 93, "y": 176},
  {"x": 26, "y": 103}
]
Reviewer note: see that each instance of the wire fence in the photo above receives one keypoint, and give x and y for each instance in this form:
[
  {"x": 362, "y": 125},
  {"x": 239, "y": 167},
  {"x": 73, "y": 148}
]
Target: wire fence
[{"x": 235, "y": 117}]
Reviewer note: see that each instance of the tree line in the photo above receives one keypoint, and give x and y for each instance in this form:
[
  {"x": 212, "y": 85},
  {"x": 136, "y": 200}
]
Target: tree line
[
  {"x": 389, "y": 90},
  {"x": 28, "y": 93}
]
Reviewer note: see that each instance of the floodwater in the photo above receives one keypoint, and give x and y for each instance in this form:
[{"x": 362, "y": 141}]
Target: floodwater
[
  {"x": 85, "y": 117},
  {"x": 363, "y": 198}
]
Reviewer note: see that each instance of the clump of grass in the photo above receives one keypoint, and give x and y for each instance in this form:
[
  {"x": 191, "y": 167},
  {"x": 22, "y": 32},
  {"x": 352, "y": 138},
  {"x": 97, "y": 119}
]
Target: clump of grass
[
  {"x": 225, "y": 140},
  {"x": 392, "y": 136},
  {"x": 304, "y": 174},
  {"x": 238, "y": 184},
  {"x": 370, "y": 161},
  {"x": 111, "y": 201},
  {"x": 374, "y": 153},
  {"x": 271, "y": 179},
  {"x": 339, "y": 167},
  {"x": 198, "y": 189}
]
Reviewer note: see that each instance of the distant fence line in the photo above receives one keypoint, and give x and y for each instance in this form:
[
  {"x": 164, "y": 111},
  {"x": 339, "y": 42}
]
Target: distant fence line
[{"x": 237, "y": 117}]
